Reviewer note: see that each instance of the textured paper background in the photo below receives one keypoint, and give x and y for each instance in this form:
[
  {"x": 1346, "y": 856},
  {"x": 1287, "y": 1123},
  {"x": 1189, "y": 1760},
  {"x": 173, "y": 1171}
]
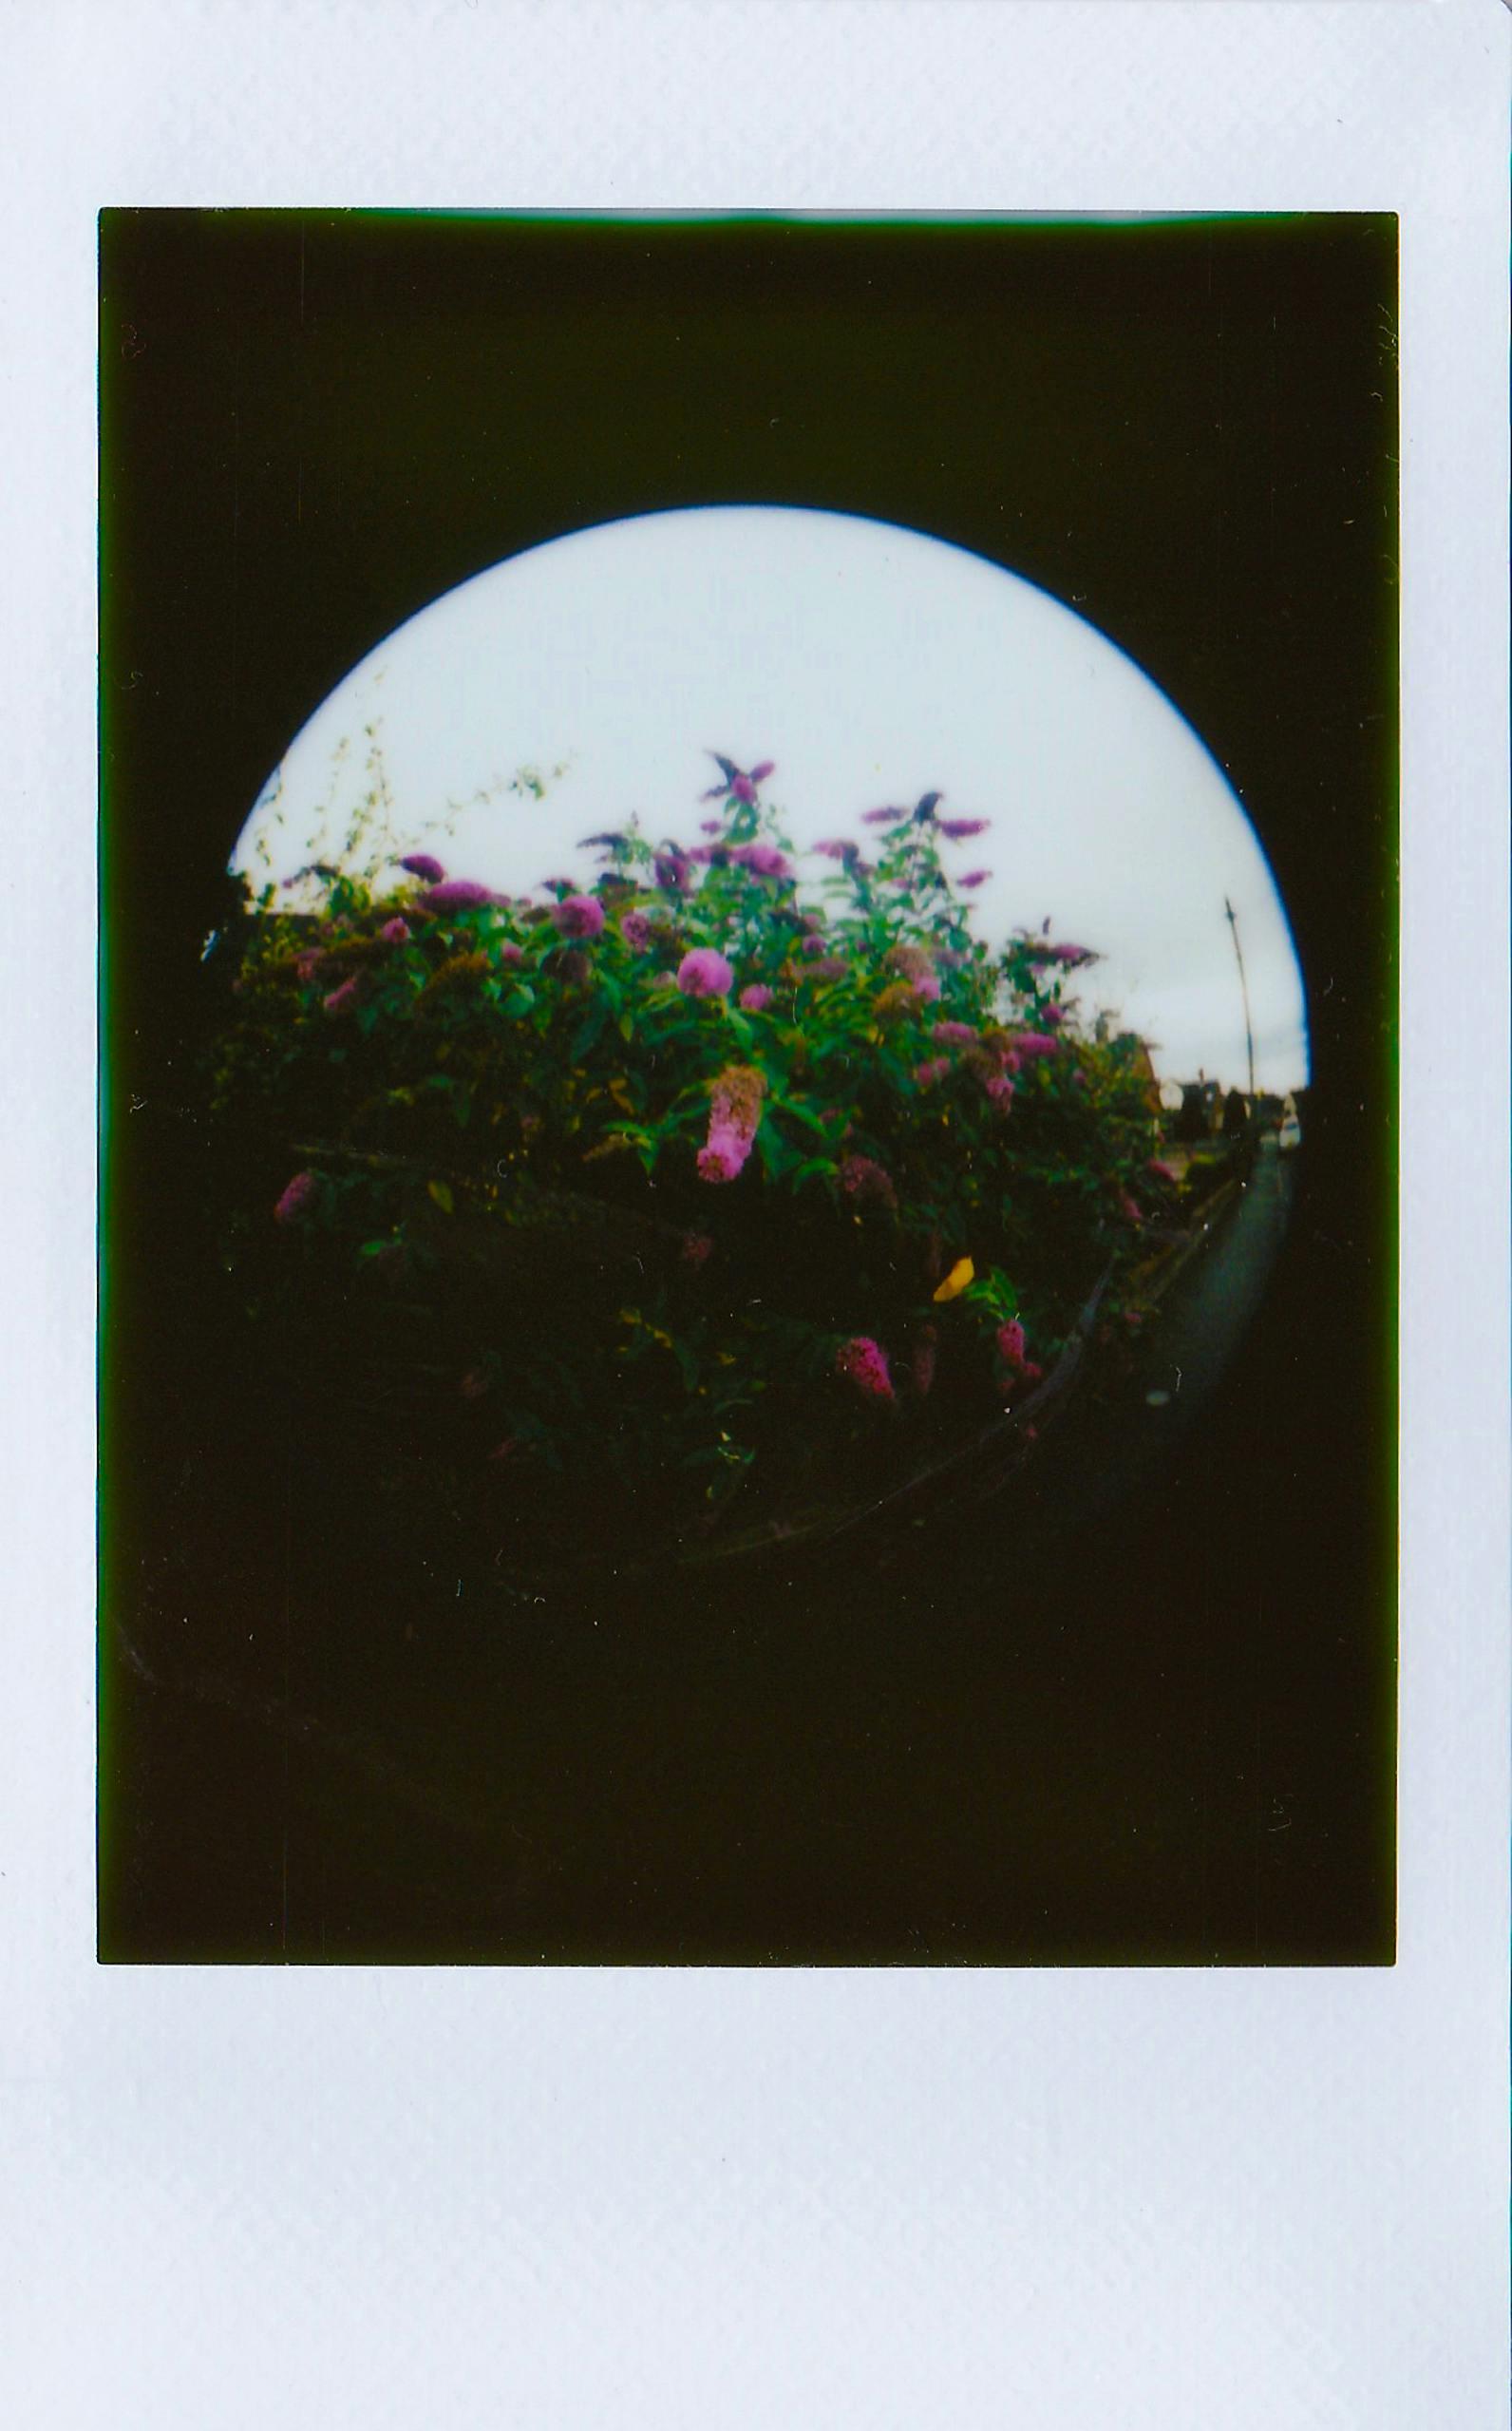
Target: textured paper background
[{"x": 1067, "y": 2200}]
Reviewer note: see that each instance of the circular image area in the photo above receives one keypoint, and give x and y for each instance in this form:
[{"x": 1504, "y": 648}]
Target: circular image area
[{"x": 749, "y": 1022}]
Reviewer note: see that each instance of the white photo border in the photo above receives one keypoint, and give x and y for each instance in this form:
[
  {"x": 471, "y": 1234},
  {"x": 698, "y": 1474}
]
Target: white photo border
[{"x": 1159, "y": 2197}]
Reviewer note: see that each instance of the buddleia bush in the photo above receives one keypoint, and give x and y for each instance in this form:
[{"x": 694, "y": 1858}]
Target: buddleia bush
[{"x": 698, "y": 1197}]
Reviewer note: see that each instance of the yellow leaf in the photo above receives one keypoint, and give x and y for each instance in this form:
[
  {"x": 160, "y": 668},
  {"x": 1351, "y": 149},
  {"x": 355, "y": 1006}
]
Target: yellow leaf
[
  {"x": 956, "y": 1282},
  {"x": 440, "y": 1192}
]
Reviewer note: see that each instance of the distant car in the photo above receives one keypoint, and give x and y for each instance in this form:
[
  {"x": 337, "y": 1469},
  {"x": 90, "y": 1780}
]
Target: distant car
[{"x": 1289, "y": 1134}]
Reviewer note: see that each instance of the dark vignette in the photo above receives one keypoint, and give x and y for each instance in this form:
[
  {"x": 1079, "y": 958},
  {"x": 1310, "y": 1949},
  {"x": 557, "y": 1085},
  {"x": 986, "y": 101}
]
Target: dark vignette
[{"x": 1176, "y": 1746}]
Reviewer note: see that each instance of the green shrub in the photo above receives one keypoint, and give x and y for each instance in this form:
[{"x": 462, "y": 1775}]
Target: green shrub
[{"x": 687, "y": 1193}]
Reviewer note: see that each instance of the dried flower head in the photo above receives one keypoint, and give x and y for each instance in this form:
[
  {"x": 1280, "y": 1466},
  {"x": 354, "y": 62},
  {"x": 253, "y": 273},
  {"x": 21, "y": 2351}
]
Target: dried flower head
[{"x": 866, "y": 1183}]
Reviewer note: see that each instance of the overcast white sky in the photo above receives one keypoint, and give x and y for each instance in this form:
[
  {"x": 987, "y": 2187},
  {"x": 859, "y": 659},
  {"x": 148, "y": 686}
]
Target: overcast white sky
[{"x": 872, "y": 664}]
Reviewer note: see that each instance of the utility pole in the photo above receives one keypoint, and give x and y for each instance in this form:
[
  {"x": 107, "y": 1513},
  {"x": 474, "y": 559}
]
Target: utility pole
[{"x": 1249, "y": 1033}]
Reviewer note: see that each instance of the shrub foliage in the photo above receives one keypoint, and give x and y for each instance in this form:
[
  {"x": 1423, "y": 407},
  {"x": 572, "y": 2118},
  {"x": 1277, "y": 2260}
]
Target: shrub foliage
[{"x": 690, "y": 1198}]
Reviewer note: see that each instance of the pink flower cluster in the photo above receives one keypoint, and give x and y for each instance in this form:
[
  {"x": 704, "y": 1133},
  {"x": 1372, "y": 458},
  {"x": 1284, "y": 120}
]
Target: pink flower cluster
[
  {"x": 298, "y": 1198},
  {"x": 1070, "y": 957},
  {"x": 763, "y": 860},
  {"x": 863, "y": 1363},
  {"x": 735, "y": 1109},
  {"x": 742, "y": 783},
  {"x": 953, "y": 1034},
  {"x": 755, "y": 998},
  {"x": 455, "y": 894},
  {"x": 579, "y": 916},
  {"x": 423, "y": 864},
  {"x": 1012, "y": 1351},
  {"x": 705, "y": 973}
]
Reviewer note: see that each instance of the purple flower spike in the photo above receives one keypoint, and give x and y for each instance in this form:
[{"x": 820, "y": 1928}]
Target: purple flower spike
[
  {"x": 705, "y": 973},
  {"x": 342, "y": 1000},
  {"x": 579, "y": 916},
  {"x": 511, "y": 955},
  {"x": 863, "y": 1363},
  {"x": 763, "y": 860},
  {"x": 959, "y": 830},
  {"x": 935, "y": 1069},
  {"x": 423, "y": 864},
  {"x": 457, "y": 895},
  {"x": 755, "y": 998},
  {"x": 881, "y": 818},
  {"x": 835, "y": 848},
  {"x": 298, "y": 1198},
  {"x": 722, "y": 1160},
  {"x": 742, "y": 783},
  {"x": 637, "y": 931},
  {"x": 953, "y": 1034},
  {"x": 974, "y": 877}
]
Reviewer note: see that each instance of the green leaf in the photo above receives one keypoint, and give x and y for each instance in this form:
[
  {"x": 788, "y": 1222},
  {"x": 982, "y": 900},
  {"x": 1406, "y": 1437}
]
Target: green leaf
[
  {"x": 801, "y": 1114},
  {"x": 440, "y": 1192},
  {"x": 587, "y": 1033}
]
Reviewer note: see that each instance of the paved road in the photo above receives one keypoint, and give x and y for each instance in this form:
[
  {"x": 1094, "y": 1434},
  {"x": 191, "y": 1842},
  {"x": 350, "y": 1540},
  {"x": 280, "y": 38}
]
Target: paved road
[
  {"x": 1211, "y": 1304},
  {"x": 1107, "y": 1442}
]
